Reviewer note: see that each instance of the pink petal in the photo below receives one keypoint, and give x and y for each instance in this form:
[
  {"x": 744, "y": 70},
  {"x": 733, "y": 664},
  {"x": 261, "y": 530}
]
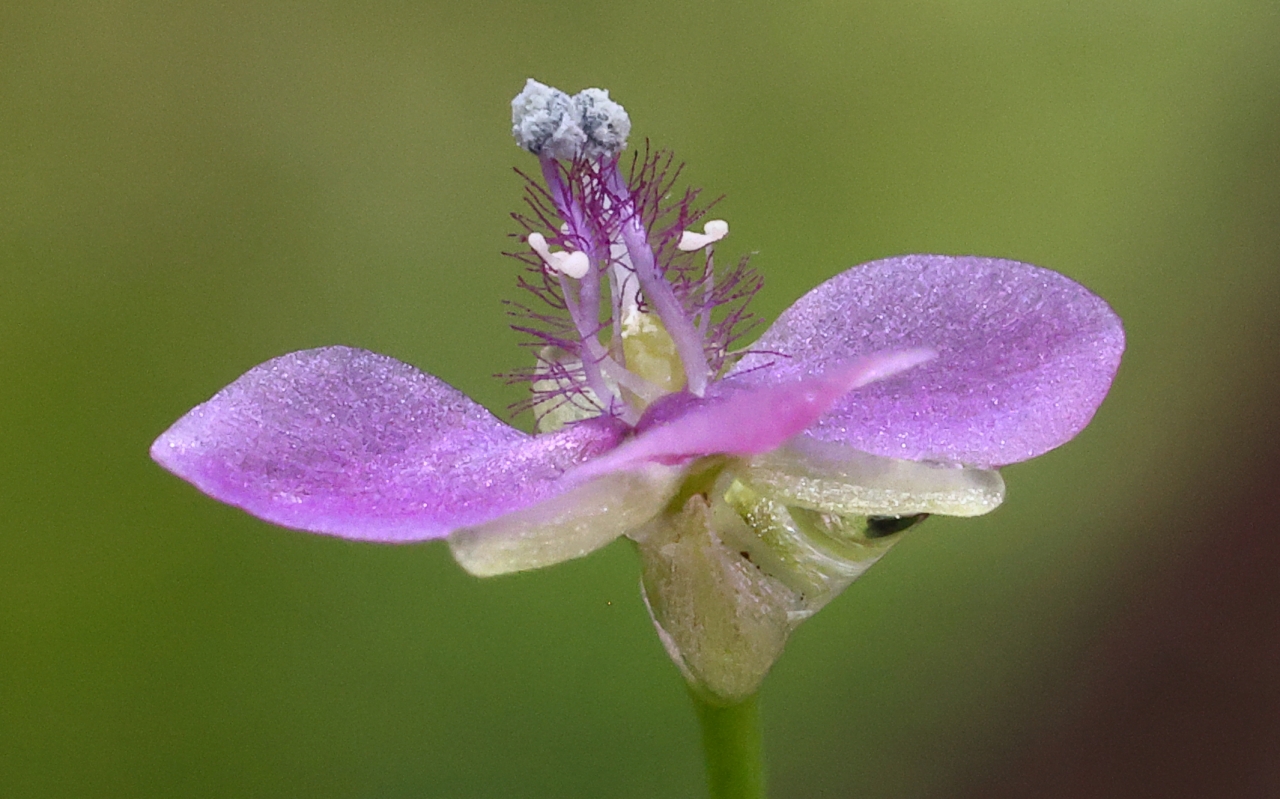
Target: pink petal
[
  {"x": 1025, "y": 357},
  {"x": 352, "y": 443},
  {"x": 750, "y": 421}
]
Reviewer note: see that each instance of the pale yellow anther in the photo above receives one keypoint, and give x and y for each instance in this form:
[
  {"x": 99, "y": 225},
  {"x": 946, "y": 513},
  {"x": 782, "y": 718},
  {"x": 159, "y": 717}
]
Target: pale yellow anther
[
  {"x": 650, "y": 351},
  {"x": 575, "y": 264},
  {"x": 712, "y": 232}
]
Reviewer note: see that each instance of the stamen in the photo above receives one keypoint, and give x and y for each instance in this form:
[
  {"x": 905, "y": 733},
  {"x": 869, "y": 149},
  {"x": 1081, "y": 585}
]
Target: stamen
[
  {"x": 574, "y": 264},
  {"x": 657, "y": 291},
  {"x": 713, "y": 231},
  {"x": 620, "y": 236}
]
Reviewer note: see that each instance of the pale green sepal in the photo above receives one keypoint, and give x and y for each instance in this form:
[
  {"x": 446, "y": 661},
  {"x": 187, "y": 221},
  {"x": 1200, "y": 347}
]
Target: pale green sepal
[
  {"x": 722, "y": 619},
  {"x": 568, "y": 526},
  {"x": 835, "y": 478},
  {"x": 816, "y": 555}
]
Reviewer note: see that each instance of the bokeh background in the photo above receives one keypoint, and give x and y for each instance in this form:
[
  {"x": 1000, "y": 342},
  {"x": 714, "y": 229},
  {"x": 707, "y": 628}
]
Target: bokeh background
[{"x": 187, "y": 189}]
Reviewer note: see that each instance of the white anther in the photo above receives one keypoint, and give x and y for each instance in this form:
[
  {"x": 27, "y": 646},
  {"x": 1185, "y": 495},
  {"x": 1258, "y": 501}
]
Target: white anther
[
  {"x": 712, "y": 232},
  {"x": 575, "y": 264}
]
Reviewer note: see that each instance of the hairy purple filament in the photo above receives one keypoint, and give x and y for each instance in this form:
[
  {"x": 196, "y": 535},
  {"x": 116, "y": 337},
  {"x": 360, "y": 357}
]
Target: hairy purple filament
[
  {"x": 628, "y": 231},
  {"x": 688, "y": 342}
]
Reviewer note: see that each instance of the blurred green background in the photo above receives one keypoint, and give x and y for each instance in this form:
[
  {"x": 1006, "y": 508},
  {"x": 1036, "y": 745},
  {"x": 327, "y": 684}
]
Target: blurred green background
[{"x": 187, "y": 189}]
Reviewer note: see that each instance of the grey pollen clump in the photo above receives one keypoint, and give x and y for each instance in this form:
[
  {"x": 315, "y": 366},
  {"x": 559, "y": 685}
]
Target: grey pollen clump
[
  {"x": 546, "y": 121},
  {"x": 604, "y": 122}
]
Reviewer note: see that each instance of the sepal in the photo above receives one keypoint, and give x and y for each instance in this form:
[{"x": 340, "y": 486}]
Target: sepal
[
  {"x": 567, "y": 526},
  {"x": 722, "y": 619},
  {"x": 728, "y": 571},
  {"x": 832, "y": 477}
]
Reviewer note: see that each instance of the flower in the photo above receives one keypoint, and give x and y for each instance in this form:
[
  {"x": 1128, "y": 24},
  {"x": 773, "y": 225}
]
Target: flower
[{"x": 756, "y": 483}]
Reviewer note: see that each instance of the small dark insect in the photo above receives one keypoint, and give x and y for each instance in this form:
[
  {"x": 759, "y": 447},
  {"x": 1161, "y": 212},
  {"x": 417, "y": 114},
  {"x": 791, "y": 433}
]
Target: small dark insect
[{"x": 881, "y": 526}]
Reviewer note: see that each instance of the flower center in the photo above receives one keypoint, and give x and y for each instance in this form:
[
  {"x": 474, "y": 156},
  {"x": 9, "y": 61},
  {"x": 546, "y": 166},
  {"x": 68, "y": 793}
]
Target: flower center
[{"x": 618, "y": 257}]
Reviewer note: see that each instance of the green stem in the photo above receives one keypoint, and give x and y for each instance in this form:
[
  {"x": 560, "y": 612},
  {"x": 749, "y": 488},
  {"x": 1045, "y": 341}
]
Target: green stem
[{"x": 733, "y": 747}]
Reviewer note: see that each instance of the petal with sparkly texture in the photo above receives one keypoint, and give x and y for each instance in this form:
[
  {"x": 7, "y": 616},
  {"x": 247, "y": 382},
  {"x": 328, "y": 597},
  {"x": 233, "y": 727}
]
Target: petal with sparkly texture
[
  {"x": 747, "y": 421},
  {"x": 1025, "y": 357},
  {"x": 351, "y": 443}
]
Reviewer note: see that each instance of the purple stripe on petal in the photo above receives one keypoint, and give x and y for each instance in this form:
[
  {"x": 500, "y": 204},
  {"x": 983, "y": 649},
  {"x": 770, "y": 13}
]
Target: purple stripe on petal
[
  {"x": 352, "y": 443},
  {"x": 1025, "y": 357},
  {"x": 744, "y": 421}
]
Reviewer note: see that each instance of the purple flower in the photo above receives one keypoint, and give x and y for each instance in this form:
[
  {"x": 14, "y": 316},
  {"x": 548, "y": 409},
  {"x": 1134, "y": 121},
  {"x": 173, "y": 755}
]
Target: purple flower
[{"x": 756, "y": 482}]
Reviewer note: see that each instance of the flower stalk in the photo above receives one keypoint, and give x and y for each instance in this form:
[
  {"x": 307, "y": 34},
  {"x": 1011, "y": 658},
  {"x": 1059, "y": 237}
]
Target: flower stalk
[{"x": 733, "y": 745}]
